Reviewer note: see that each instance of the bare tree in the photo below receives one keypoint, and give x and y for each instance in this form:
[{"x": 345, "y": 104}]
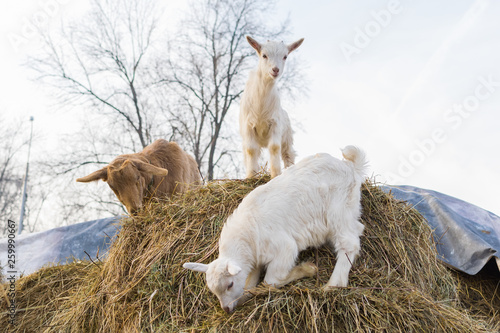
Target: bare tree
[
  {"x": 207, "y": 68},
  {"x": 102, "y": 63},
  {"x": 133, "y": 89}
]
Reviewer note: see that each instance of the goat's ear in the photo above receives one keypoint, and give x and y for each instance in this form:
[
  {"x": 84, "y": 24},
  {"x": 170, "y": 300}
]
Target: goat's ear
[
  {"x": 197, "y": 267},
  {"x": 151, "y": 169},
  {"x": 233, "y": 269},
  {"x": 295, "y": 45},
  {"x": 254, "y": 44},
  {"x": 94, "y": 176}
]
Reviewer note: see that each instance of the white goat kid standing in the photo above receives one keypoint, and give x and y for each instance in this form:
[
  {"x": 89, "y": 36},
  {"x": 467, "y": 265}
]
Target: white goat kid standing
[
  {"x": 263, "y": 122},
  {"x": 313, "y": 203}
]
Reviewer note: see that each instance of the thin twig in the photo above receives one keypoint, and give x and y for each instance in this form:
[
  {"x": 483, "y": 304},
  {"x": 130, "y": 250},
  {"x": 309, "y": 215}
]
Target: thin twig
[{"x": 92, "y": 260}]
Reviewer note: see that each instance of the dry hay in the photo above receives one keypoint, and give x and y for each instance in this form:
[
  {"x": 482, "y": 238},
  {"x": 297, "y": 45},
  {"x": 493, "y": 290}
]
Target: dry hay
[
  {"x": 480, "y": 294},
  {"x": 396, "y": 285},
  {"x": 40, "y": 295}
]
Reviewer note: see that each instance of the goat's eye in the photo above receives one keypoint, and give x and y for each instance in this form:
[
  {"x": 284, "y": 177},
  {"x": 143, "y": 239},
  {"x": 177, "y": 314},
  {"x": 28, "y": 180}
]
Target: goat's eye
[
  {"x": 284, "y": 58},
  {"x": 230, "y": 285},
  {"x": 264, "y": 56}
]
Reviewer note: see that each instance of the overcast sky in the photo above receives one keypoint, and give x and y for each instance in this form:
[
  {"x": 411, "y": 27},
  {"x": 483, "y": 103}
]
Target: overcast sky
[{"x": 415, "y": 84}]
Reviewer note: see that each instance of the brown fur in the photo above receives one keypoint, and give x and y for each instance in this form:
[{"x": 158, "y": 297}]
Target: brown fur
[{"x": 161, "y": 169}]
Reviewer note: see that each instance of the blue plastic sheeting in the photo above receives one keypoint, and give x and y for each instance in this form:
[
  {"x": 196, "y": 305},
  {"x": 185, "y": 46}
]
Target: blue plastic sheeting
[
  {"x": 466, "y": 236},
  {"x": 32, "y": 251}
]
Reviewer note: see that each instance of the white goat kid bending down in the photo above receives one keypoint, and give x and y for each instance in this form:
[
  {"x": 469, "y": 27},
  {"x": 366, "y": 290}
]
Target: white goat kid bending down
[
  {"x": 313, "y": 203},
  {"x": 263, "y": 123}
]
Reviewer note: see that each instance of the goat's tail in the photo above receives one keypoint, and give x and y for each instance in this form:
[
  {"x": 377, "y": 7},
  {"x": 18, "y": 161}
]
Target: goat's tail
[{"x": 357, "y": 157}]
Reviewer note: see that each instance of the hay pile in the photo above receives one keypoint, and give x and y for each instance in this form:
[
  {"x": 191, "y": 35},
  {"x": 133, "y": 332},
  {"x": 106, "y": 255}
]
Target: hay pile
[
  {"x": 396, "y": 285},
  {"x": 40, "y": 295}
]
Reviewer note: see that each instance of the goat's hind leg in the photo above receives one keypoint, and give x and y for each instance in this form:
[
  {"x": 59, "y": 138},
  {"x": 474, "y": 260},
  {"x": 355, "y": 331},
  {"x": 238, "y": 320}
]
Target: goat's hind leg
[
  {"x": 305, "y": 269},
  {"x": 347, "y": 247},
  {"x": 282, "y": 272},
  {"x": 287, "y": 154}
]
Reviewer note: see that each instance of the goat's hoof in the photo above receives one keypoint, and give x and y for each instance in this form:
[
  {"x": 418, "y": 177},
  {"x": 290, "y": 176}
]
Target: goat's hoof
[
  {"x": 309, "y": 269},
  {"x": 334, "y": 285},
  {"x": 328, "y": 288}
]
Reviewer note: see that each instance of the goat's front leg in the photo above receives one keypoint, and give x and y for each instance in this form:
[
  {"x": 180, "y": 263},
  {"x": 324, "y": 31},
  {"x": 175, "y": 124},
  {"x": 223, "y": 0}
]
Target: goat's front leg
[
  {"x": 274, "y": 158},
  {"x": 253, "y": 278},
  {"x": 251, "y": 282},
  {"x": 251, "y": 154}
]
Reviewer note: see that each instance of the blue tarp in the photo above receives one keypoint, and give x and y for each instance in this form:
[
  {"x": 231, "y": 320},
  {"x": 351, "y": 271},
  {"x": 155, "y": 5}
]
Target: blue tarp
[
  {"x": 466, "y": 236},
  {"x": 32, "y": 251}
]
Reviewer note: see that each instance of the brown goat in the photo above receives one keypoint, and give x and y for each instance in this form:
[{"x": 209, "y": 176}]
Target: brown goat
[{"x": 136, "y": 177}]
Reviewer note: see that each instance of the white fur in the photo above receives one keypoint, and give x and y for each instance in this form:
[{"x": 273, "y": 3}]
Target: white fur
[
  {"x": 313, "y": 203},
  {"x": 263, "y": 122}
]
